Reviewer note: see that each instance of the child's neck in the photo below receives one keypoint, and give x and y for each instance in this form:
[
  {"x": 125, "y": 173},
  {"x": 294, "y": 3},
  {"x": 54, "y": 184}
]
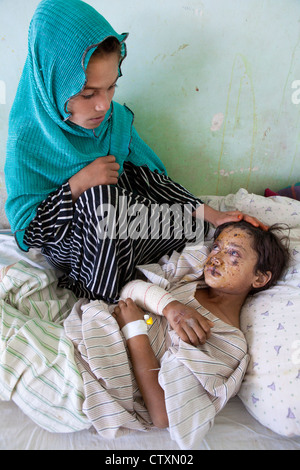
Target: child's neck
[{"x": 227, "y": 307}]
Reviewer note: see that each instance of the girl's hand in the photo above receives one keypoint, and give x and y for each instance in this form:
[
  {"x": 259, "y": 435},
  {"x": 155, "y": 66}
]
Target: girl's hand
[
  {"x": 190, "y": 326},
  {"x": 237, "y": 216},
  {"x": 217, "y": 218},
  {"x": 253, "y": 221},
  {"x": 126, "y": 312},
  {"x": 103, "y": 170}
]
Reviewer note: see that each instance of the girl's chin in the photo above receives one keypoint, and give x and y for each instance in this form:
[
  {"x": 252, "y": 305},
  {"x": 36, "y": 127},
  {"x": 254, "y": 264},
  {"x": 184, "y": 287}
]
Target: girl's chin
[
  {"x": 85, "y": 124},
  {"x": 217, "y": 282}
]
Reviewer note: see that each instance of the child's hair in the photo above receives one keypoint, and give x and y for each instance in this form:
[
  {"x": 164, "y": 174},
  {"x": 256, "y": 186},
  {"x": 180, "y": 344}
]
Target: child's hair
[
  {"x": 272, "y": 251},
  {"x": 110, "y": 45}
]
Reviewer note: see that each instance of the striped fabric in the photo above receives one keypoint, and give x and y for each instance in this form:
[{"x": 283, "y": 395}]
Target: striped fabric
[
  {"x": 66, "y": 364},
  {"x": 94, "y": 266},
  {"x": 198, "y": 382},
  {"x": 38, "y": 370}
]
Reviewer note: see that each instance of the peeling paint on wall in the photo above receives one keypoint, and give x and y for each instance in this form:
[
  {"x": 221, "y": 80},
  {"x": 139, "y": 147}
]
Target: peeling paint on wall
[
  {"x": 217, "y": 122},
  {"x": 223, "y": 172}
]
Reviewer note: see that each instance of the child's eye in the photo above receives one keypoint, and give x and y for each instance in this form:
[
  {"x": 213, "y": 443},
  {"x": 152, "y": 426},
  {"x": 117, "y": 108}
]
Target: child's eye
[
  {"x": 87, "y": 97},
  {"x": 234, "y": 253},
  {"x": 214, "y": 247},
  {"x": 113, "y": 86}
]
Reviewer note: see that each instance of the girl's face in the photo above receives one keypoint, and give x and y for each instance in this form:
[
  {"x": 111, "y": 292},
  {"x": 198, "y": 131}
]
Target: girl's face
[
  {"x": 230, "y": 267},
  {"x": 90, "y": 106}
]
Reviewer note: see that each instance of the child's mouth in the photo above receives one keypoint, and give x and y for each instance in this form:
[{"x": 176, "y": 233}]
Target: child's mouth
[{"x": 213, "y": 271}]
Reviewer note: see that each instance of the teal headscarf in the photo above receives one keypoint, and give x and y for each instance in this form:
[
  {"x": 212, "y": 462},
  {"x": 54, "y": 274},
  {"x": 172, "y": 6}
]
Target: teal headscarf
[{"x": 43, "y": 149}]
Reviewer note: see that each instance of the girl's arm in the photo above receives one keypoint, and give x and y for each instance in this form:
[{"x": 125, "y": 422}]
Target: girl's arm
[
  {"x": 148, "y": 296},
  {"x": 145, "y": 367},
  {"x": 189, "y": 324},
  {"x": 144, "y": 363},
  {"x": 217, "y": 218}
]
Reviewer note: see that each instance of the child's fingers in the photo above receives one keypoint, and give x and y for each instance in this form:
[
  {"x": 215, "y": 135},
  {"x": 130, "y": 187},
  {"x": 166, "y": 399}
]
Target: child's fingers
[{"x": 193, "y": 332}]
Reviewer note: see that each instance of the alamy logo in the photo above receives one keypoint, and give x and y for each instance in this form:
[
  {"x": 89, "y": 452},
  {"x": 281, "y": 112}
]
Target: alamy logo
[
  {"x": 296, "y": 94},
  {"x": 296, "y": 352},
  {"x": 139, "y": 221}
]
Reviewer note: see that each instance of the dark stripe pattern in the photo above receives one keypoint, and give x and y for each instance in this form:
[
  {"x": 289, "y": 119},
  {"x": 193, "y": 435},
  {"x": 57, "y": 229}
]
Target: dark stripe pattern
[{"x": 98, "y": 241}]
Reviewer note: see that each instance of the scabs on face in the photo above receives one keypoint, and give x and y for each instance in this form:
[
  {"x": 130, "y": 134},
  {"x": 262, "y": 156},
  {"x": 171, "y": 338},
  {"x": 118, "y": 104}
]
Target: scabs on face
[{"x": 230, "y": 267}]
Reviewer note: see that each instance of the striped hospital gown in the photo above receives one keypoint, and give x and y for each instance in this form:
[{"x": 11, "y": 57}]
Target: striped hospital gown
[
  {"x": 66, "y": 364},
  {"x": 89, "y": 241}
]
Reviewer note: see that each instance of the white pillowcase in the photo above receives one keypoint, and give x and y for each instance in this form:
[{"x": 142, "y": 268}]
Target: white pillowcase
[{"x": 270, "y": 321}]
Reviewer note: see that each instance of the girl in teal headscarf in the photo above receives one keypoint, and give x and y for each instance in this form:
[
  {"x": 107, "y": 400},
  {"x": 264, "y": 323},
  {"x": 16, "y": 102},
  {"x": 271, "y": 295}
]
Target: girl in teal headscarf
[
  {"x": 72, "y": 153},
  {"x": 44, "y": 148}
]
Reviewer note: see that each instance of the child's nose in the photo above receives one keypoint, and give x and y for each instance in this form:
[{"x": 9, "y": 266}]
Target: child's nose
[
  {"x": 216, "y": 261},
  {"x": 103, "y": 103}
]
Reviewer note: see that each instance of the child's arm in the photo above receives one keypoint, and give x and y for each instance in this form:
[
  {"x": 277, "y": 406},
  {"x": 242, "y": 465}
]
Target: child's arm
[
  {"x": 148, "y": 296},
  {"x": 189, "y": 324},
  {"x": 144, "y": 363}
]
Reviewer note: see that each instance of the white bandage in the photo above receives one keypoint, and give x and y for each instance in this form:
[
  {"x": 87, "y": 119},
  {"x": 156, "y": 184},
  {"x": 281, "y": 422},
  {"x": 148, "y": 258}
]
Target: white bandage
[
  {"x": 135, "y": 328},
  {"x": 149, "y": 296}
]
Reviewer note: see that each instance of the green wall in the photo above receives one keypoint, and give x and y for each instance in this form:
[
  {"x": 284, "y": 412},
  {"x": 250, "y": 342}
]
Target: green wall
[{"x": 210, "y": 83}]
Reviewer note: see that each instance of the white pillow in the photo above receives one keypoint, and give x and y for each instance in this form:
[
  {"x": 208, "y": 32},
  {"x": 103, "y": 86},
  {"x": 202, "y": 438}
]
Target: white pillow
[{"x": 270, "y": 321}]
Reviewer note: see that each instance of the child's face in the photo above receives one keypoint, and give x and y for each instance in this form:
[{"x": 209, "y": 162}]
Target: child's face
[
  {"x": 90, "y": 106},
  {"x": 230, "y": 267}
]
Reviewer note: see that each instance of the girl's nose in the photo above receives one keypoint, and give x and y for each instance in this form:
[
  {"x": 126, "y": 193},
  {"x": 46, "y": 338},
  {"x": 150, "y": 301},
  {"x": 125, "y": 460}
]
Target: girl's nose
[
  {"x": 103, "y": 103},
  {"x": 216, "y": 261}
]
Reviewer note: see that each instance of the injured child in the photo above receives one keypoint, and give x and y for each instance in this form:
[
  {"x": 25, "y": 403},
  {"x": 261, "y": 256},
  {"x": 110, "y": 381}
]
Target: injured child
[
  {"x": 104, "y": 365},
  {"x": 194, "y": 382}
]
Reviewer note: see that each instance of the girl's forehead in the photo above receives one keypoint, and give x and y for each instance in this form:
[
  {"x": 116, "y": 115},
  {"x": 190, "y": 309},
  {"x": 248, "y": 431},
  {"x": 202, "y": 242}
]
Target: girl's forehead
[
  {"x": 234, "y": 233},
  {"x": 238, "y": 239},
  {"x": 234, "y": 236}
]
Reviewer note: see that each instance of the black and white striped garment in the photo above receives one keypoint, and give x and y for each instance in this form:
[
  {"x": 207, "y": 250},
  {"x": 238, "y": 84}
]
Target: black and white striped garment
[{"x": 98, "y": 241}]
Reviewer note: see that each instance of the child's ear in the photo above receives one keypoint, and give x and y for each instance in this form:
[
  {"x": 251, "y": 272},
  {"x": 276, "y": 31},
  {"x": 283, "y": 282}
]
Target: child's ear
[{"x": 261, "y": 279}]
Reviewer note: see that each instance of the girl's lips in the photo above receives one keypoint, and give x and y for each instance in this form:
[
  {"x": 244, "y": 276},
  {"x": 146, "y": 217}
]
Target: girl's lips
[
  {"x": 213, "y": 271},
  {"x": 99, "y": 119}
]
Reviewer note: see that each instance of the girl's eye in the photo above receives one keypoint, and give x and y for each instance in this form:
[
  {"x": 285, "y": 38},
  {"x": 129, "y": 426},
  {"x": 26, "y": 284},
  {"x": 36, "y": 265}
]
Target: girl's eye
[
  {"x": 234, "y": 253},
  {"x": 113, "y": 87},
  {"x": 87, "y": 97}
]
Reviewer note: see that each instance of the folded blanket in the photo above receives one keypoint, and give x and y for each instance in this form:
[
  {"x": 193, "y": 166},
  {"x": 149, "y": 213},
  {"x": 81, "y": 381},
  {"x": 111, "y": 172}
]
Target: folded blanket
[{"x": 292, "y": 191}]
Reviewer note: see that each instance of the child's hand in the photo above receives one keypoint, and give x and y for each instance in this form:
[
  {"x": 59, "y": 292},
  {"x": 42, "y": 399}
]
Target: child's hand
[
  {"x": 190, "y": 326},
  {"x": 126, "y": 312},
  {"x": 103, "y": 170}
]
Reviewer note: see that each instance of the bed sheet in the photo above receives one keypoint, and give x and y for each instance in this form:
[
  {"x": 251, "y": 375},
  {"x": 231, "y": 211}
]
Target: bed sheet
[{"x": 234, "y": 427}]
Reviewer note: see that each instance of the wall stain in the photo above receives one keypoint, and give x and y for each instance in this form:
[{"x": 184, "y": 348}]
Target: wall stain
[
  {"x": 164, "y": 56},
  {"x": 245, "y": 79},
  {"x": 180, "y": 48}
]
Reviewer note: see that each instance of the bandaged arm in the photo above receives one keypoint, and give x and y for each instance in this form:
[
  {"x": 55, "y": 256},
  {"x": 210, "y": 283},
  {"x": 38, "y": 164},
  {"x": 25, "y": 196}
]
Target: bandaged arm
[
  {"x": 148, "y": 296},
  {"x": 187, "y": 322}
]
